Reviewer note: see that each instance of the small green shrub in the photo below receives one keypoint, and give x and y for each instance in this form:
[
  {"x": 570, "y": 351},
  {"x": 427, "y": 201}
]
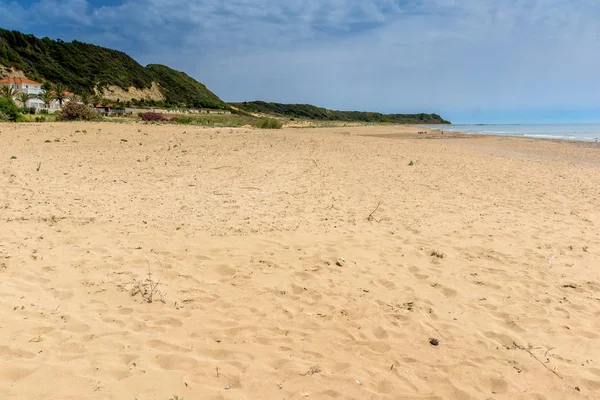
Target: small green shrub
[
  {"x": 77, "y": 112},
  {"x": 186, "y": 120},
  {"x": 268, "y": 123},
  {"x": 9, "y": 111},
  {"x": 226, "y": 120},
  {"x": 43, "y": 111},
  {"x": 40, "y": 119}
]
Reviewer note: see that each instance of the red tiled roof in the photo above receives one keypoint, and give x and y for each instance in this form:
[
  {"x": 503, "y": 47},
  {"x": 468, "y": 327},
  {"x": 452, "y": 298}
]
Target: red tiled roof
[{"x": 19, "y": 80}]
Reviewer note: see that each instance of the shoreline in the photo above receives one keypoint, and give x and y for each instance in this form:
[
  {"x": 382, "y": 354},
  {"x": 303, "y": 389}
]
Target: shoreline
[
  {"x": 526, "y": 136},
  {"x": 411, "y": 132},
  {"x": 434, "y": 128}
]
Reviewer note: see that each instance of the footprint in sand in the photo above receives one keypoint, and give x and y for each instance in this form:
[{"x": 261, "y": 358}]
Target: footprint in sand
[
  {"x": 446, "y": 291},
  {"x": 174, "y": 362},
  {"x": 380, "y": 333},
  {"x": 224, "y": 270}
]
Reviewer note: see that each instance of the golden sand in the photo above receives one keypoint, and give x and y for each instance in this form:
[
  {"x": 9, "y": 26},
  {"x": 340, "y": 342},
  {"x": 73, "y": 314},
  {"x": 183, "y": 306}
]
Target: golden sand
[{"x": 489, "y": 245}]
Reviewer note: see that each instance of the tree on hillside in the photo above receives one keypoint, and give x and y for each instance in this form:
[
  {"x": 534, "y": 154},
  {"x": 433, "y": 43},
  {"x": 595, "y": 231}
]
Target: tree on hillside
[
  {"x": 7, "y": 92},
  {"x": 23, "y": 98},
  {"x": 106, "y": 103},
  {"x": 96, "y": 99},
  {"x": 47, "y": 97},
  {"x": 47, "y": 86},
  {"x": 75, "y": 99},
  {"x": 85, "y": 98},
  {"x": 60, "y": 93}
]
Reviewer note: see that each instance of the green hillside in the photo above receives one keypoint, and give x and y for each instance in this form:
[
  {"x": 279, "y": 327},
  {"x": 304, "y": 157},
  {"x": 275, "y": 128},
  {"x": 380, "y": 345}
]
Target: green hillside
[
  {"x": 308, "y": 111},
  {"x": 83, "y": 67},
  {"x": 180, "y": 88}
]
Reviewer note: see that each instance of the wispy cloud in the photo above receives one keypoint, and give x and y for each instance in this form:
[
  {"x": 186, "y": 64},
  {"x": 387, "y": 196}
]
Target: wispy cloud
[{"x": 464, "y": 58}]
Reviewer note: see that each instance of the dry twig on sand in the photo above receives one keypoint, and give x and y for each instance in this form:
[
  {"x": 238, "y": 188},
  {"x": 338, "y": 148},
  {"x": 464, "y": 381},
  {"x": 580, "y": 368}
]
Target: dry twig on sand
[
  {"x": 529, "y": 349},
  {"x": 149, "y": 289},
  {"x": 371, "y": 217},
  {"x": 313, "y": 370}
]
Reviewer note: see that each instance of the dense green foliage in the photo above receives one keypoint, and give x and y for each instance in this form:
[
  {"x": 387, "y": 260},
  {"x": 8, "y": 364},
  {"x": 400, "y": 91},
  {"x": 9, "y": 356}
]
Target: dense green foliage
[
  {"x": 78, "y": 65},
  {"x": 83, "y": 67},
  {"x": 308, "y": 111},
  {"x": 9, "y": 110},
  {"x": 181, "y": 89},
  {"x": 8, "y": 92}
]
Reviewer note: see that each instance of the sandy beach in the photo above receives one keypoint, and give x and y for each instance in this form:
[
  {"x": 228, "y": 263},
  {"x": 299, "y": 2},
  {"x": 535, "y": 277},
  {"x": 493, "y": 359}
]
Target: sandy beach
[{"x": 320, "y": 263}]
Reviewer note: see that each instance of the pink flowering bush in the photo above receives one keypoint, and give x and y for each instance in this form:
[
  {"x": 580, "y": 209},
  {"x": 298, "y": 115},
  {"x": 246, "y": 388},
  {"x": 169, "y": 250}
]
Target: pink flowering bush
[
  {"x": 77, "y": 112},
  {"x": 154, "y": 117}
]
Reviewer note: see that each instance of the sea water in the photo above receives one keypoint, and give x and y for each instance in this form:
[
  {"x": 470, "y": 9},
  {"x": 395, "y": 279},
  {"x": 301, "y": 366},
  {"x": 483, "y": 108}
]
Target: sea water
[{"x": 586, "y": 132}]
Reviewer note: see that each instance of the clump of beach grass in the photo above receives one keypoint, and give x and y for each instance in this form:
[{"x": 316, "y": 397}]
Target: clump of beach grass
[
  {"x": 268, "y": 123},
  {"x": 214, "y": 121},
  {"x": 437, "y": 254},
  {"x": 149, "y": 288}
]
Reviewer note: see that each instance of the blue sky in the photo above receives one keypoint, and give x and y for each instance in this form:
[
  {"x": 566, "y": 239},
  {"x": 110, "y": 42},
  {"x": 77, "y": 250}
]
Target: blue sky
[{"x": 468, "y": 60}]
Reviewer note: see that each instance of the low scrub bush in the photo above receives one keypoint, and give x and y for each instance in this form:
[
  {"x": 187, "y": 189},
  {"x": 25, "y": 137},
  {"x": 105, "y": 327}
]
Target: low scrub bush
[
  {"x": 154, "y": 117},
  {"x": 9, "y": 111},
  {"x": 268, "y": 123},
  {"x": 186, "y": 120},
  {"x": 216, "y": 121},
  {"x": 77, "y": 112}
]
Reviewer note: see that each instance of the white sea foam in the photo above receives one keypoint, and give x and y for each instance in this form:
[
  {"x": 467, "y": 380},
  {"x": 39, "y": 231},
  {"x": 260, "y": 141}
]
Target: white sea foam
[{"x": 585, "y": 132}]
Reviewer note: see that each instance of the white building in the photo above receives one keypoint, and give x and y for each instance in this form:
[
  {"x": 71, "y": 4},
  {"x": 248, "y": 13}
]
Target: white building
[{"x": 32, "y": 88}]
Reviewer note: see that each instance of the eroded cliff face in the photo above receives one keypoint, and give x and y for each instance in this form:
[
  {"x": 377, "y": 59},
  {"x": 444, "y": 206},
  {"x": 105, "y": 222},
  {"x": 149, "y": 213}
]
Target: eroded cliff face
[
  {"x": 114, "y": 92},
  {"x": 7, "y": 72}
]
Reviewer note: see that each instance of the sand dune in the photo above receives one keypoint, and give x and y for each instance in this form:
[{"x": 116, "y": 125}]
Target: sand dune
[{"x": 489, "y": 245}]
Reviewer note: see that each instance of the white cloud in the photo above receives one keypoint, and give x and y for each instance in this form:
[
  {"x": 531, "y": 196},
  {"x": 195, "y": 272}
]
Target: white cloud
[
  {"x": 70, "y": 11},
  {"x": 449, "y": 56}
]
